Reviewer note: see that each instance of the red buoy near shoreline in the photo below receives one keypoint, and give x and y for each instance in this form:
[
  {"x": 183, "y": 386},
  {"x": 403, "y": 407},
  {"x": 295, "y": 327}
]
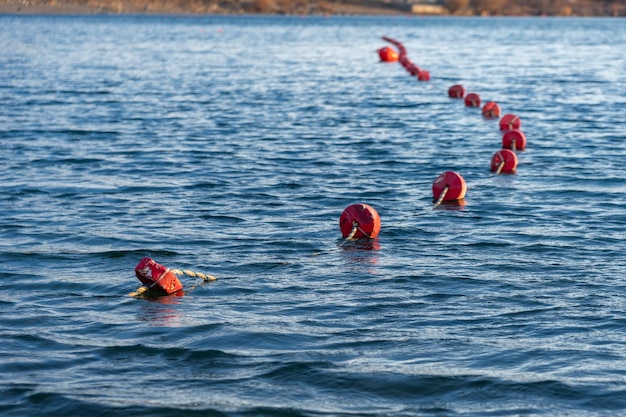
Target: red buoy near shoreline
[
  {"x": 472, "y": 100},
  {"x": 510, "y": 122},
  {"x": 504, "y": 160},
  {"x": 456, "y": 91},
  {"x": 514, "y": 140},
  {"x": 450, "y": 185},
  {"x": 388, "y": 54},
  {"x": 491, "y": 109},
  {"x": 154, "y": 275},
  {"x": 359, "y": 221}
]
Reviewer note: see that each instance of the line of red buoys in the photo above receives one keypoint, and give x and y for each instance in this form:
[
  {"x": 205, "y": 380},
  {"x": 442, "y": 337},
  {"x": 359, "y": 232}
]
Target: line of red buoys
[
  {"x": 513, "y": 139},
  {"x": 361, "y": 220}
]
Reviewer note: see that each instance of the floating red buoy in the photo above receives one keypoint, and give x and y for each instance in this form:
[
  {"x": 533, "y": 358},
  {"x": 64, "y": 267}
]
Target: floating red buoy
[
  {"x": 423, "y": 75},
  {"x": 449, "y": 186},
  {"x": 387, "y": 54},
  {"x": 491, "y": 109},
  {"x": 154, "y": 275},
  {"x": 456, "y": 91},
  {"x": 359, "y": 220},
  {"x": 514, "y": 139},
  {"x": 504, "y": 160},
  {"x": 510, "y": 122},
  {"x": 472, "y": 100}
]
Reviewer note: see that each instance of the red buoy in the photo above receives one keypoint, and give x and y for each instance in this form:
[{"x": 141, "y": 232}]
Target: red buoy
[
  {"x": 514, "y": 139},
  {"x": 456, "y": 91},
  {"x": 154, "y": 275},
  {"x": 358, "y": 221},
  {"x": 491, "y": 109},
  {"x": 510, "y": 122},
  {"x": 504, "y": 160},
  {"x": 472, "y": 100},
  {"x": 387, "y": 54},
  {"x": 423, "y": 75},
  {"x": 449, "y": 186}
]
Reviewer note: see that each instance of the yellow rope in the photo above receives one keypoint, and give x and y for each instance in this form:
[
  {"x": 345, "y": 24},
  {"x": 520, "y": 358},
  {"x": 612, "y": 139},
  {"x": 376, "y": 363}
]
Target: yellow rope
[
  {"x": 500, "y": 166},
  {"x": 442, "y": 196},
  {"x": 139, "y": 292},
  {"x": 355, "y": 228},
  {"x": 193, "y": 274}
]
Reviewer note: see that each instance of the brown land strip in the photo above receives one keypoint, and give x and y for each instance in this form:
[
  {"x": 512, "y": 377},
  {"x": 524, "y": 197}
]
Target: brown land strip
[
  {"x": 614, "y": 8},
  {"x": 170, "y": 7}
]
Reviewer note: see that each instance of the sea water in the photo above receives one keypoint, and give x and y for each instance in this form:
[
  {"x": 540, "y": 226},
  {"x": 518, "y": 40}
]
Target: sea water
[{"x": 231, "y": 146}]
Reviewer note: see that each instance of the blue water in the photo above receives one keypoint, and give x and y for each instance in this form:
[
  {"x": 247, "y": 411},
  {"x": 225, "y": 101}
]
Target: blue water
[{"x": 231, "y": 145}]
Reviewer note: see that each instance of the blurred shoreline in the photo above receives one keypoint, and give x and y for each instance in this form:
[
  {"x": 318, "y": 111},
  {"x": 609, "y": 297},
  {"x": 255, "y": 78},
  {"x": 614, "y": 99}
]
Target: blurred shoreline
[
  {"x": 598, "y": 8},
  {"x": 165, "y": 7}
]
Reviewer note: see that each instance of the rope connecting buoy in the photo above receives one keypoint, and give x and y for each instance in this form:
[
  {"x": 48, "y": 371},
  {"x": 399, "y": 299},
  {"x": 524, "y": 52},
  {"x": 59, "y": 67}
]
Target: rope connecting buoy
[
  {"x": 510, "y": 122},
  {"x": 193, "y": 274},
  {"x": 448, "y": 186},
  {"x": 504, "y": 160},
  {"x": 472, "y": 100},
  {"x": 155, "y": 276},
  {"x": 388, "y": 54},
  {"x": 514, "y": 140},
  {"x": 359, "y": 221},
  {"x": 456, "y": 91},
  {"x": 491, "y": 109},
  {"x": 423, "y": 75}
]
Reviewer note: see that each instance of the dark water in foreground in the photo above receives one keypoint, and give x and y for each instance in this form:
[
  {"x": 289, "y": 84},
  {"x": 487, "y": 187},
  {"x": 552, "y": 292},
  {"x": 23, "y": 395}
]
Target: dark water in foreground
[{"x": 232, "y": 145}]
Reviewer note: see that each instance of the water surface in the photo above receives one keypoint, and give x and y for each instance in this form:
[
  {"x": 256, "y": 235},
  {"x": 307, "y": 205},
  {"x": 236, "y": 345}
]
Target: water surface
[{"x": 231, "y": 145}]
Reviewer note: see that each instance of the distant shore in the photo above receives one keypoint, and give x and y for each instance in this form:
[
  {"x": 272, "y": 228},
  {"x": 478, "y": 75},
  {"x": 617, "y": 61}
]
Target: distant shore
[
  {"x": 16, "y": 7},
  {"x": 300, "y": 7},
  {"x": 62, "y": 8}
]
